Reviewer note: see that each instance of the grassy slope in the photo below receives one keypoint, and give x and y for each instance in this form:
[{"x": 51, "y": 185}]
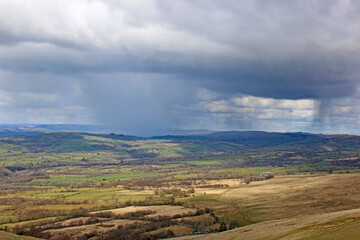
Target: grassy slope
[
  {"x": 11, "y": 236},
  {"x": 347, "y": 231},
  {"x": 313, "y": 227},
  {"x": 291, "y": 207}
]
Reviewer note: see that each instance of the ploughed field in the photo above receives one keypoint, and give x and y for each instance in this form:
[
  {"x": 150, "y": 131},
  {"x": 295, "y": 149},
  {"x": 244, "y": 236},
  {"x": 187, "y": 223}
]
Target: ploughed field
[{"x": 224, "y": 185}]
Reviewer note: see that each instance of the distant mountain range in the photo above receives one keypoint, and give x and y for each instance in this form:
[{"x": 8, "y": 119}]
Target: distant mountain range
[
  {"x": 32, "y": 129},
  {"x": 7, "y": 130}
]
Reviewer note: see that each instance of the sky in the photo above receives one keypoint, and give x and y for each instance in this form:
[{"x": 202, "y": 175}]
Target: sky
[{"x": 147, "y": 67}]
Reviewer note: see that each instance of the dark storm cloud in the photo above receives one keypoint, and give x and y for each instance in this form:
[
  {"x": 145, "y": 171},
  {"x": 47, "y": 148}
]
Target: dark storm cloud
[
  {"x": 149, "y": 57},
  {"x": 317, "y": 75},
  {"x": 303, "y": 50}
]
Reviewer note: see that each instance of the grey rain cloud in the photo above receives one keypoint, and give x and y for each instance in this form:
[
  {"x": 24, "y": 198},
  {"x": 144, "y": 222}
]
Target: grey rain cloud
[{"x": 138, "y": 66}]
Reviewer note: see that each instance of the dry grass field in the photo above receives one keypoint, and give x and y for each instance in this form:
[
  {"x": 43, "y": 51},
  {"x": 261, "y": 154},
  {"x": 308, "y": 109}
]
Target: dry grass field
[
  {"x": 298, "y": 207},
  {"x": 11, "y": 236},
  {"x": 304, "y": 227},
  {"x": 162, "y": 210},
  {"x": 288, "y": 196},
  {"x": 78, "y": 231}
]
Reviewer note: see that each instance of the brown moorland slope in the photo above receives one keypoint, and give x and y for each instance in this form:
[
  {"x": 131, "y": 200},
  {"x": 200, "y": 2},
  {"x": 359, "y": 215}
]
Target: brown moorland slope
[
  {"x": 11, "y": 236},
  {"x": 289, "y": 196},
  {"x": 287, "y": 206},
  {"x": 303, "y": 227}
]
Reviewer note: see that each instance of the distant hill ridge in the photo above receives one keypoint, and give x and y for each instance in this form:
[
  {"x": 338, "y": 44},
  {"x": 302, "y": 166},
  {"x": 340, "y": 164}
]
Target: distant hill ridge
[
  {"x": 41, "y": 138},
  {"x": 32, "y": 129}
]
